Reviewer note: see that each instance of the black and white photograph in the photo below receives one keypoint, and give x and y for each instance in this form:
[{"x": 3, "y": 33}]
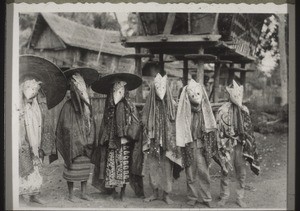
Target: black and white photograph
[{"x": 150, "y": 109}]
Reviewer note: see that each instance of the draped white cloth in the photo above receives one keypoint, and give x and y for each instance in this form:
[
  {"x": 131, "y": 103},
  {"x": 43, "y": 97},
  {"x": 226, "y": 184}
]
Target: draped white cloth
[
  {"x": 33, "y": 124},
  {"x": 184, "y": 117}
]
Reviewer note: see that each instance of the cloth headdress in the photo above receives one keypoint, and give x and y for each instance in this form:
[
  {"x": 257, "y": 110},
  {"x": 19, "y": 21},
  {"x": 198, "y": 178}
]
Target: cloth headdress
[
  {"x": 160, "y": 85},
  {"x": 34, "y": 88},
  {"x": 118, "y": 85},
  {"x": 236, "y": 93},
  {"x": 184, "y": 116},
  {"x": 54, "y": 83},
  {"x": 118, "y": 91},
  {"x": 80, "y": 87},
  {"x": 149, "y": 109},
  {"x": 194, "y": 91}
]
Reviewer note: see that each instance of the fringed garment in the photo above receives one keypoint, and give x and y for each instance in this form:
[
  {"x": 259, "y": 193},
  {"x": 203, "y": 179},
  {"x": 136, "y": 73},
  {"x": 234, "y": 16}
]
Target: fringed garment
[
  {"x": 30, "y": 179},
  {"x": 234, "y": 125},
  {"x": 48, "y": 131},
  {"x": 164, "y": 157},
  {"x": 75, "y": 135},
  {"x": 201, "y": 139},
  {"x": 112, "y": 152},
  {"x": 159, "y": 121}
]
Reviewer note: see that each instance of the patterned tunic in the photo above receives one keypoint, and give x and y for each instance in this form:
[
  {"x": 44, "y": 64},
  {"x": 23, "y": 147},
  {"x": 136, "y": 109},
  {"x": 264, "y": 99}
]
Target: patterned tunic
[{"x": 234, "y": 126}]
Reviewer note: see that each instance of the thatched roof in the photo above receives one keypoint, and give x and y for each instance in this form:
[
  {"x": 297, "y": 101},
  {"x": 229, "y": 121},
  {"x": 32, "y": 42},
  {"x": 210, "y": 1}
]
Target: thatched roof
[{"x": 78, "y": 35}]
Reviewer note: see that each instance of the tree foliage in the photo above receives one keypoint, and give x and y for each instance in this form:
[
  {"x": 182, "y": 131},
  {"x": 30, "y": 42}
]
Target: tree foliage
[
  {"x": 268, "y": 51},
  {"x": 105, "y": 21},
  {"x": 27, "y": 20}
]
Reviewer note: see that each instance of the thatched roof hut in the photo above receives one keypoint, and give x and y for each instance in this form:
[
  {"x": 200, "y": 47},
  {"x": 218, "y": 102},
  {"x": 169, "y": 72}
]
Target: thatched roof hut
[
  {"x": 68, "y": 44},
  {"x": 70, "y": 33}
]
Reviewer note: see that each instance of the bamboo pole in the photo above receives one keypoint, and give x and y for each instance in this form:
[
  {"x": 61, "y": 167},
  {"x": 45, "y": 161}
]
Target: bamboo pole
[
  {"x": 138, "y": 71},
  {"x": 100, "y": 49}
]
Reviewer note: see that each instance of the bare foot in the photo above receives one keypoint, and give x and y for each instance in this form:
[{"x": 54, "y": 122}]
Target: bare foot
[
  {"x": 85, "y": 197},
  {"x": 168, "y": 200},
  {"x": 71, "y": 199},
  {"x": 222, "y": 202},
  {"x": 191, "y": 202},
  {"x": 151, "y": 198},
  {"x": 113, "y": 196},
  {"x": 21, "y": 199},
  {"x": 35, "y": 199},
  {"x": 142, "y": 196},
  {"x": 208, "y": 204},
  {"x": 121, "y": 196},
  {"x": 241, "y": 203}
]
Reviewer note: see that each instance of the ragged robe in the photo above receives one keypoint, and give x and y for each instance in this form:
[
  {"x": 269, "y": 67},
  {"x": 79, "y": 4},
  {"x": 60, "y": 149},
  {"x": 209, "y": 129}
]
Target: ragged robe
[{"x": 74, "y": 139}]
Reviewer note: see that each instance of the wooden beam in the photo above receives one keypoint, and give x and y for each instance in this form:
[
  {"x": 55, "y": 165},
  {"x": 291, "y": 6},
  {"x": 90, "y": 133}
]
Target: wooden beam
[
  {"x": 142, "y": 23},
  {"x": 134, "y": 40},
  {"x": 238, "y": 69},
  {"x": 189, "y": 23},
  {"x": 185, "y": 72},
  {"x": 215, "y": 27},
  {"x": 161, "y": 63},
  {"x": 200, "y": 68},
  {"x": 216, "y": 82},
  {"x": 169, "y": 23},
  {"x": 230, "y": 74},
  {"x": 140, "y": 55},
  {"x": 207, "y": 58},
  {"x": 138, "y": 71},
  {"x": 243, "y": 75}
]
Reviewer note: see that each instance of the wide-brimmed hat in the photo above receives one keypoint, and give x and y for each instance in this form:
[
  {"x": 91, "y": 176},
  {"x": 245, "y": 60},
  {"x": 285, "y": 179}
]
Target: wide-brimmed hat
[
  {"x": 54, "y": 83},
  {"x": 103, "y": 85},
  {"x": 89, "y": 75}
]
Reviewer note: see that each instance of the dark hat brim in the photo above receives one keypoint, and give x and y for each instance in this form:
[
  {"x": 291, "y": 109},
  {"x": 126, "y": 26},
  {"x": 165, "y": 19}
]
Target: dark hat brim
[
  {"x": 54, "y": 83},
  {"x": 104, "y": 84},
  {"x": 89, "y": 75}
]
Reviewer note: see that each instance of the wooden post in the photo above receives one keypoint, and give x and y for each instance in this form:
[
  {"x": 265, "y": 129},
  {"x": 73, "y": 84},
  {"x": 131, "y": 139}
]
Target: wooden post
[
  {"x": 215, "y": 27},
  {"x": 169, "y": 23},
  {"x": 138, "y": 71},
  {"x": 200, "y": 68},
  {"x": 161, "y": 63},
  {"x": 216, "y": 82},
  {"x": 114, "y": 63},
  {"x": 243, "y": 75},
  {"x": 189, "y": 23},
  {"x": 230, "y": 75},
  {"x": 185, "y": 72}
]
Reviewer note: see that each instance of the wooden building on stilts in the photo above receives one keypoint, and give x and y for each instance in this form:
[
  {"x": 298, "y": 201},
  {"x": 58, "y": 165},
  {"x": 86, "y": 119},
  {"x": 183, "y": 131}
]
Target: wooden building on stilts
[{"x": 227, "y": 40}]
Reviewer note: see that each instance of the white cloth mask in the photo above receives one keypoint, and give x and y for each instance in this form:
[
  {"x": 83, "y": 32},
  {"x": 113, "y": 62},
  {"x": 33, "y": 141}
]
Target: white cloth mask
[
  {"x": 194, "y": 91},
  {"x": 236, "y": 93},
  {"x": 80, "y": 87},
  {"x": 31, "y": 88},
  {"x": 118, "y": 91},
  {"x": 160, "y": 84}
]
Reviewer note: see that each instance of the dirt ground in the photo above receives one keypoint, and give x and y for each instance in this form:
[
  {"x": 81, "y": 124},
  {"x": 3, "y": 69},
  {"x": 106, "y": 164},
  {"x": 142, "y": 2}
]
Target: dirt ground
[{"x": 265, "y": 191}]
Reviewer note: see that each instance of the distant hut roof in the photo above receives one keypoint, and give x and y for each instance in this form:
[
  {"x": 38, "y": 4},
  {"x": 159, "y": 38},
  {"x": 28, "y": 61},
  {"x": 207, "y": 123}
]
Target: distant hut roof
[{"x": 78, "y": 35}]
